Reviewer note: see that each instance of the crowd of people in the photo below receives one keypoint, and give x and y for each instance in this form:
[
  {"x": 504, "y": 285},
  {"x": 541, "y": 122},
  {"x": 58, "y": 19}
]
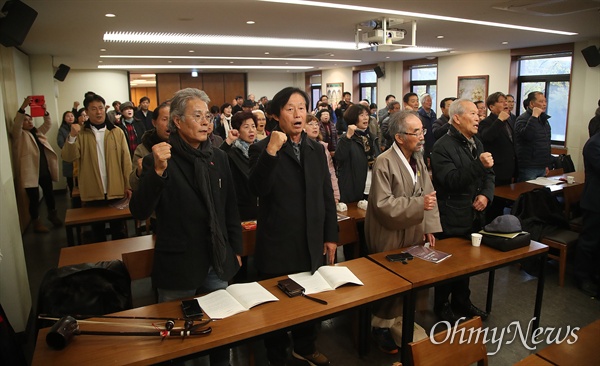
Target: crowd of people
[{"x": 198, "y": 171}]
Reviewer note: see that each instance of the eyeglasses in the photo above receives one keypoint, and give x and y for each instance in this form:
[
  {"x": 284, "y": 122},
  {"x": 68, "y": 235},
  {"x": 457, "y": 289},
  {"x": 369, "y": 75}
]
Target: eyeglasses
[
  {"x": 419, "y": 133},
  {"x": 199, "y": 117},
  {"x": 313, "y": 123}
]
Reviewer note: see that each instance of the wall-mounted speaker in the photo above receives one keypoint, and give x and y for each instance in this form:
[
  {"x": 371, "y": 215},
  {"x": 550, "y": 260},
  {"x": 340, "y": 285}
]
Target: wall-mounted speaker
[
  {"x": 591, "y": 55},
  {"x": 62, "y": 72},
  {"x": 15, "y": 22},
  {"x": 379, "y": 72}
]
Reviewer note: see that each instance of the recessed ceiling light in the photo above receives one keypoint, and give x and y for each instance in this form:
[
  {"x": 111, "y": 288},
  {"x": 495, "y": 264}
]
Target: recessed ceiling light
[
  {"x": 504, "y": 42},
  {"x": 148, "y": 75},
  {"x": 109, "y": 15},
  {"x": 230, "y": 62},
  {"x": 250, "y": 22},
  {"x": 451, "y": 51},
  {"x": 229, "y": 58},
  {"x": 387, "y": 56},
  {"x": 332, "y": 55},
  {"x": 194, "y": 74},
  {"x": 211, "y": 39},
  {"x": 191, "y": 51},
  {"x": 391, "y": 12},
  {"x": 267, "y": 53},
  {"x": 103, "y": 50},
  {"x": 169, "y": 61},
  {"x": 232, "y": 67},
  {"x": 440, "y": 37},
  {"x": 100, "y": 61}
]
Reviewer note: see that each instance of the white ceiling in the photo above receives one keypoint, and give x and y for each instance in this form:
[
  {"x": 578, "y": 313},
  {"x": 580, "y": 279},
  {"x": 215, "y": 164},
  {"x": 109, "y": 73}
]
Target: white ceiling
[{"x": 72, "y": 30}]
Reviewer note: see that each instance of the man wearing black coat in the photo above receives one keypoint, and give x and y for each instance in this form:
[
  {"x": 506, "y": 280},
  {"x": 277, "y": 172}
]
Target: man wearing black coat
[
  {"x": 464, "y": 181},
  {"x": 188, "y": 185},
  {"x": 496, "y": 134},
  {"x": 588, "y": 246},
  {"x": 297, "y": 221}
]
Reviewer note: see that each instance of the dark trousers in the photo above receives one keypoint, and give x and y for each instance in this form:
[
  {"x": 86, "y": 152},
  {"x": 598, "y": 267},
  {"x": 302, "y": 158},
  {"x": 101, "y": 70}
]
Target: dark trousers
[
  {"x": 304, "y": 337},
  {"x": 45, "y": 182},
  {"x": 587, "y": 254},
  {"x": 461, "y": 294},
  {"x": 117, "y": 227},
  {"x": 70, "y": 185}
]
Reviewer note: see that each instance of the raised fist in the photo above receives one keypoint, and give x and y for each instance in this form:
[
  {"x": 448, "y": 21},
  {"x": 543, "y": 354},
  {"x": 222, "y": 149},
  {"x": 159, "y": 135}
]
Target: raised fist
[
  {"x": 429, "y": 201},
  {"x": 75, "y": 128},
  {"x": 536, "y": 112},
  {"x": 162, "y": 154},
  {"x": 503, "y": 116},
  {"x": 486, "y": 159},
  {"x": 232, "y": 135},
  {"x": 351, "y": 130},
  {"x": 276, "y": 141}
]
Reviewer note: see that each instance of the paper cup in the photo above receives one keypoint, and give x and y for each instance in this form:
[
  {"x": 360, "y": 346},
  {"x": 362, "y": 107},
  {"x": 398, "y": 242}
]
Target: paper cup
[
  {"x": 476, "y": 239},
  {"x": 570, "y": 179}
]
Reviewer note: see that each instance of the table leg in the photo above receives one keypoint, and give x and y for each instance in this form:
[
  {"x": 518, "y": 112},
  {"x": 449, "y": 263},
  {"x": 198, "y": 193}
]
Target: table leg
[
  {"x": 540, "y": 292},
  {"x": 364, "y": 326},
  {"x": 70, "y": 239},
  {"x": 490, "y": 291},
  {"x": 408, "y": 321}
]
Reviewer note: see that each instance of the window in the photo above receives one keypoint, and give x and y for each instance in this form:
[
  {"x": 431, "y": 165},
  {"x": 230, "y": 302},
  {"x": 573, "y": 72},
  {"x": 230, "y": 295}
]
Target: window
[
  {"x": 367, "y": 85},
  {"x": 423, "y": 79},
  {"x": 551, "y": 75}
]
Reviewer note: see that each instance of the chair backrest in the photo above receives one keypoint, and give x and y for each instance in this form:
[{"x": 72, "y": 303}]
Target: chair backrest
[
  {"x": 572, "y": 196},
  {"x": 425, "y": 352},
  {"x": 139, "y": 263}
]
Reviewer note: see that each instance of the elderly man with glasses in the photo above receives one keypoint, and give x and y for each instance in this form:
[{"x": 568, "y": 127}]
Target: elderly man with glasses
[
  {"x": 402, "y": 212},
  {"x": 189, "y": 186}
]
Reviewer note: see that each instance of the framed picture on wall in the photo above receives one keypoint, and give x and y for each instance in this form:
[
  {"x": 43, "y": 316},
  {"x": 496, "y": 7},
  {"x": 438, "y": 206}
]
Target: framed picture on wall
[
  {"x": 474, "y": 88},
  {"x": 334, "y": 93}
]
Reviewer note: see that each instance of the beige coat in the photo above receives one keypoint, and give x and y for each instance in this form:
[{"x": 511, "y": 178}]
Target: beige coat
[
  {"x": 27, "y": 153},
  {"x": 395, "y": 215},
  {"x": 118, "y": 164}
]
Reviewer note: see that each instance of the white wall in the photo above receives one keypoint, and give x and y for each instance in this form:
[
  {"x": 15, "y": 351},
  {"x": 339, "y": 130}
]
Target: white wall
[
  {"x": 583, "y": 101},
  {"x": 266, "y": 84},
  {"x": 495, "y": 64},
  {"x": 15, "y": 295},
  {"x": 343, "y": 75}
]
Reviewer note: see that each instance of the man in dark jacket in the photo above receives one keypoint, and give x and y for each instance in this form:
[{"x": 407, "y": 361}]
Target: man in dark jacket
[
  {"x": 532, "y": 138},
  {"x": 496, "y": 134},
  {"x": 143, "y": 113},
  {"x": 427, "y": 116},
  {"x": 441, "y": 125},
  {"x": 588, "y": 246},
  {"x": 464, "y": 181},
  {"x": 297, "y": 221},
  {"x": 189, "y": 186}
]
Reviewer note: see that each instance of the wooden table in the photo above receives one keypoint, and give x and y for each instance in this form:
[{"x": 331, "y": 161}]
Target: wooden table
[
  {"x": 105, "y": 251},
  {"x": 354, "y": 212},
  {"x": 583, "y": 352},
  {"x": 378, "y": 282},
  {"x": 466, "y": 261},
  {"x": 513, "y": 191},
  {"x": 78, "y": 217}
]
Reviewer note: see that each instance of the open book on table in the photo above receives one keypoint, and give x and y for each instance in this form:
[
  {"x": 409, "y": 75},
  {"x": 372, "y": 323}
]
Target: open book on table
[
  {"x": 326, "y": 278},
  {"x": 234, "y": 299},
  {"x": 428, "y": 254}
]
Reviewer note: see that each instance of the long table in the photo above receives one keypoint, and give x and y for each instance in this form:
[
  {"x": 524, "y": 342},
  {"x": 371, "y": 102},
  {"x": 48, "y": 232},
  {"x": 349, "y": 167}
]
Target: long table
[
  {"x": 513, "y": 191},
  {"x": 378, "y": 282},
  {"x": 465, "y": 261},
  {"x": 75, "y": 218},
  {"x": 104, "y": 251}
]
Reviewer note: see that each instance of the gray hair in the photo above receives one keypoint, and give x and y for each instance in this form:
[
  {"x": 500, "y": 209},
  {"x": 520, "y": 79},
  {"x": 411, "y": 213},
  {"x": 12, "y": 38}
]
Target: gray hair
[
  {"x": 425, "y": 95},
  {"x": 397, "y": 122},
  {"x": 180, "y": 101},
  {"x": 457, "y": 107}
]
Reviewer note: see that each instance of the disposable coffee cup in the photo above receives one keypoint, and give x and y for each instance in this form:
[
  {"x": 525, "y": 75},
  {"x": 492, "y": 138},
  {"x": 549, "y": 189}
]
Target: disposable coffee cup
[
  {"x": 476, "y": 239},
  {"x": 570, "y": 179}
]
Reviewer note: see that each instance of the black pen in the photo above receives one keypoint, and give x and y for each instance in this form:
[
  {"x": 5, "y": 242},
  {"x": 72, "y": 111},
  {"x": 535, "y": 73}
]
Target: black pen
[{"x": 315, "y": 299}]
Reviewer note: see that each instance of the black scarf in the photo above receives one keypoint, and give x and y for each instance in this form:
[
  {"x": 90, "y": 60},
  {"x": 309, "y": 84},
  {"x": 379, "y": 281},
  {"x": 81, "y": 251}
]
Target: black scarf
[
  {"x": 200, "y": 158},
  {"x": 150, "y": 138}
]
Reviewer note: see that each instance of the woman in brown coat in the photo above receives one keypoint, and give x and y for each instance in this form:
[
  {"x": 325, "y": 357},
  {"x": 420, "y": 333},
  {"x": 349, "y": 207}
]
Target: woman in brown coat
[{"x": 36, "y": 164}]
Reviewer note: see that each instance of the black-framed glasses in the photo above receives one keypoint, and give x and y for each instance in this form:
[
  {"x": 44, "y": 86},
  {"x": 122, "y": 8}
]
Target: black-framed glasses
[{"x": 419, "y": 133}]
